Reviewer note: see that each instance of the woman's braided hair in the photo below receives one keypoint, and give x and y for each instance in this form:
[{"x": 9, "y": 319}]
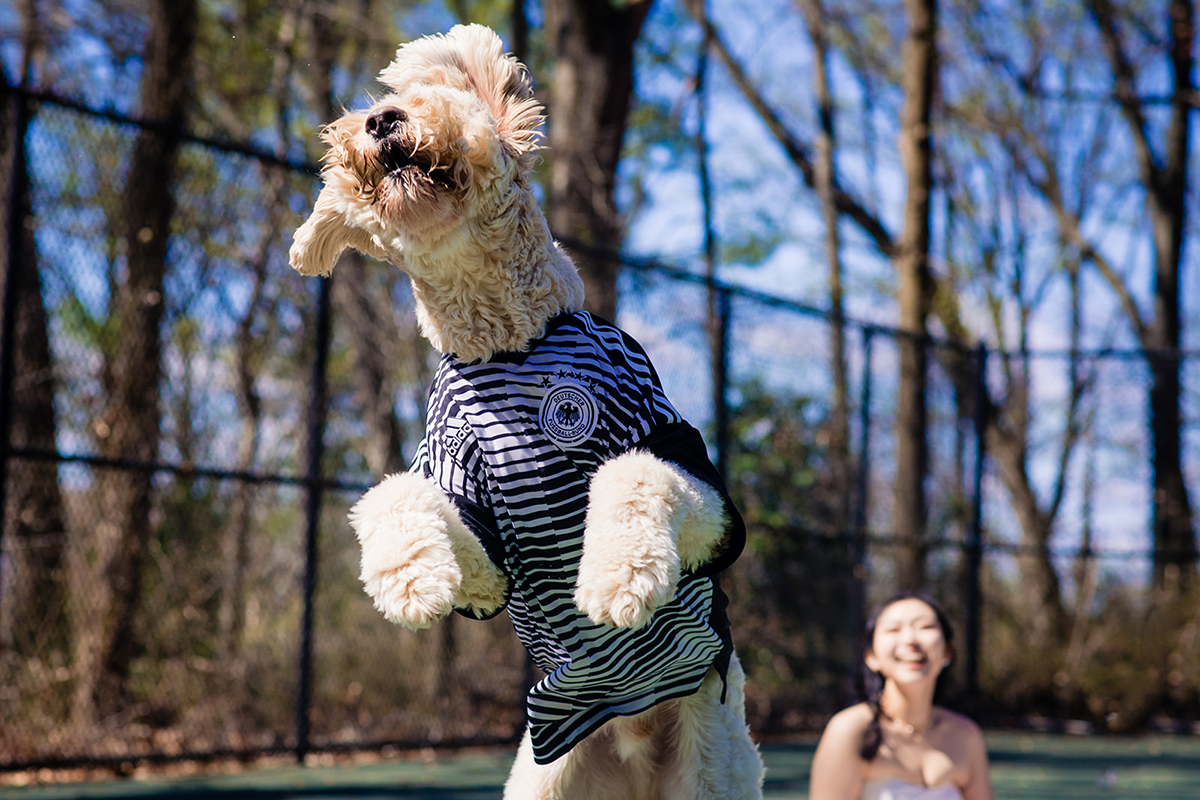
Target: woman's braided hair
[{"x": 871, "y": 682}]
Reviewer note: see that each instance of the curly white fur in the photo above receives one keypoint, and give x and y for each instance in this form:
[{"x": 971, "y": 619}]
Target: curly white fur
[
  {"x": 419, "y": 561},
  {"x": 461, "y": 219},
  {"x": 646, "y": 520},
  {"x": 693, "y": 748}
]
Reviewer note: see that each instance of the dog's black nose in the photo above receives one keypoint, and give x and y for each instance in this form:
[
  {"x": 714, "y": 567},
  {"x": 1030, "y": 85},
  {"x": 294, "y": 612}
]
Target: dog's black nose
[{"x": 383, "y": 121}]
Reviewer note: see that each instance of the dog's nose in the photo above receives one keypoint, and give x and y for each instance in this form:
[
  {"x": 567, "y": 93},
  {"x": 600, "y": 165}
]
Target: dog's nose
[{"x": 382, "y": 121}]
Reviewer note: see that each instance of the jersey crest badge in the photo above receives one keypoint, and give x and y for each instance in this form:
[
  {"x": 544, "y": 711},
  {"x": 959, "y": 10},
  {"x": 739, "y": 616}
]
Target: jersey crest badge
[{"x": 568, "y": 414}]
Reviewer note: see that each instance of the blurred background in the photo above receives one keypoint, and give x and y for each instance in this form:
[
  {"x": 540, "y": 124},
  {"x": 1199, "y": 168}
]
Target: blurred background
[{"x": 916, "y": 269}]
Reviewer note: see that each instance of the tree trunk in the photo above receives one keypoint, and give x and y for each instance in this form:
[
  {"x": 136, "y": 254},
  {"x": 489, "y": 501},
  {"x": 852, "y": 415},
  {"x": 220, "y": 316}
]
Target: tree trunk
[
  {"x": 1174, "y": 537},
  {"x": 839, "y": 423},
  {"x": 33, "y": 602},
  {"x": 1006, "y": 443},
  {"x": 374, "y": 339},
  {"x": 915, "y": 285},
  {"x": 1040, "y": 596},
  {"x": 107, "y": 640},
  {"x": 519, "y": 21},
  {"x": 1174, "y": 534},
  {"x": 1165, "y": 180},
  {"x": 591, "y": 43},
  {"x": 235, "y": 540}
]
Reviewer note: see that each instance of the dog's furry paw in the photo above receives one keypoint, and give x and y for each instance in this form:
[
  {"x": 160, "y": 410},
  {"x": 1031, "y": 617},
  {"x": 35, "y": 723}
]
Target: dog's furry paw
[
  {"x": 626, "y": 597},
  {"x": 630, "y": 564},
  {"x": 408, "y": 563},
  {"x": 484, "y": 588}
]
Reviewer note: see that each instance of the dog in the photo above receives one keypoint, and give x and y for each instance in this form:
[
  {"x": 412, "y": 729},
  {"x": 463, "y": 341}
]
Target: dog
[{"x": 555, "y": 480}]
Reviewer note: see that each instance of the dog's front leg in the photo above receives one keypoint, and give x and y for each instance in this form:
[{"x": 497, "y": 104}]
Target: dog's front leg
[
  {"x": 419, "y": 561},
  {"x": 647, "y": 519}
]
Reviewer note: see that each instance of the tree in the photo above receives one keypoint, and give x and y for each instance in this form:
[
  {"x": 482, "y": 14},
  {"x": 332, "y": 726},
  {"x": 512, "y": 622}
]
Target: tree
[
  {"x": 248, "y": 347},
  {"x": 910, "y": 255},
  {"x": 1033, "y": 135},
  {"x": 915, "y": 289},
  {"x": 1164, "y": 177},
  {"x": 365, "y": 294},
  {"x": 591, "y": 46},
  {"x": 105, "y": 637},
  {"x": 974, "y": 260},
  {"x": 825, "y": 178},
  {"x": 32, "y": 609},
  {"x": 780, "y": 480},
  {"x": 1009, "y": 415}
]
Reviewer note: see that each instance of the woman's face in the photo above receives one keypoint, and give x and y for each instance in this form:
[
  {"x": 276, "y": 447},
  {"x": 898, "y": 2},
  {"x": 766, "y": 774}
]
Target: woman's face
[{"x": 909, "y": 644}]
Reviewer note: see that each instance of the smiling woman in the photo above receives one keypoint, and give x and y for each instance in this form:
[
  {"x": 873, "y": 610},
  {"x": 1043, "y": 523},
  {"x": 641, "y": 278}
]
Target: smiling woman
[{"x": 896, "y": 744}]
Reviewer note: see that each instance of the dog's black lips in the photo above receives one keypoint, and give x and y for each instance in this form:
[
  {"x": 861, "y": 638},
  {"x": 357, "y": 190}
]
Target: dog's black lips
[{"x": 396, "y": 156}]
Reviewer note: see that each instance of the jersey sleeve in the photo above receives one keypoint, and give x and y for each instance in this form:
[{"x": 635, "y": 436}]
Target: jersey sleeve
[
  {"x": 420, "y": 462},
  {"x": 451, "y": 458},
  {"x": 681, "y": 444}
]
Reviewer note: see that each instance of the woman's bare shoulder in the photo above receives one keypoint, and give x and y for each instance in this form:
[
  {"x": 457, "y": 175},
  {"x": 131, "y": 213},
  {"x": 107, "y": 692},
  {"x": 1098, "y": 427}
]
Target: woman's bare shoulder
[
  {"x": 957, "y": 723},
  {"x": 851, "y": 721},
  {"x": 956, "y": 727}
]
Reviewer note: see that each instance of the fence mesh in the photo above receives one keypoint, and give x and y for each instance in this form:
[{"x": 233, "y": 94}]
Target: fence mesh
[{"x": 214, "y": 655}]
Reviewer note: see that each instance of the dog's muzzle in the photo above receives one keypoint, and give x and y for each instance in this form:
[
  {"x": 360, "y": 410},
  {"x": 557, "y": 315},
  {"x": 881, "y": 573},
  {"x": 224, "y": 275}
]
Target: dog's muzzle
[{"x": 388, "y": 127}]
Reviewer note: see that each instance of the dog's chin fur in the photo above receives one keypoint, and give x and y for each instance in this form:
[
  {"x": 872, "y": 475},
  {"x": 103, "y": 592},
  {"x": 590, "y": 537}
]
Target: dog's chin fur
[{"x": 446, "y": 197}]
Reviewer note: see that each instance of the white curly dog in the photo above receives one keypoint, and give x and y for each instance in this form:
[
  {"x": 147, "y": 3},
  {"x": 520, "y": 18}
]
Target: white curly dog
[{"x": 555, "y": 479}]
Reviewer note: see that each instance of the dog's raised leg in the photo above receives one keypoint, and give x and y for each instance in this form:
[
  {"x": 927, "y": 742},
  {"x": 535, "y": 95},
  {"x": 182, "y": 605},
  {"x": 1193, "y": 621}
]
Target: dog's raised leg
[
  {"x": 647, "y": 519},
  {"x": 419, "y": 561},
  {"x": 329, "y": 230}
]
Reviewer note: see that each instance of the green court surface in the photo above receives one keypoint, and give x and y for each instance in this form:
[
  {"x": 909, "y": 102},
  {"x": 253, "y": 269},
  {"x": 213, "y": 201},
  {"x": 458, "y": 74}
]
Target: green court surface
[{"x": 1024, "y": 767}]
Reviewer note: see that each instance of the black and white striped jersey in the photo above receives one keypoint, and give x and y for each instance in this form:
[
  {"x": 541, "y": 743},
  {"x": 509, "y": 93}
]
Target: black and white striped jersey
[{"x": 514, "y": 441}]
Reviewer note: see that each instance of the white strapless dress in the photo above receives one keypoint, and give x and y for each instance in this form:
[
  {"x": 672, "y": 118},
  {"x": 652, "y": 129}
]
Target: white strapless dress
[{"x": 896, "y": 789}]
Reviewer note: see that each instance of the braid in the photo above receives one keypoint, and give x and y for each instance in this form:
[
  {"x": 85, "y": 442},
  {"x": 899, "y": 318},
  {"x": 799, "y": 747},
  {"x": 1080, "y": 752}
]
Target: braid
[{"x": 873, "y": 735}]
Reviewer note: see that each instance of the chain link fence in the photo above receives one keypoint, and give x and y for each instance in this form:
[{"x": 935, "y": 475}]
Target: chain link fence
[{"x": 243, "y": 629}]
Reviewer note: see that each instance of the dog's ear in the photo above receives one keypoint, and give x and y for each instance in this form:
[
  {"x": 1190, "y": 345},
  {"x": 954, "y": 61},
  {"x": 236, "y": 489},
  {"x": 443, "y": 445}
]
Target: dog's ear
[
  {"x": 518, "y": 115},
  {"x": 472, "y": 58},
  {"x": 503, "y": 83},
  {"x": 317, "y": 243}
]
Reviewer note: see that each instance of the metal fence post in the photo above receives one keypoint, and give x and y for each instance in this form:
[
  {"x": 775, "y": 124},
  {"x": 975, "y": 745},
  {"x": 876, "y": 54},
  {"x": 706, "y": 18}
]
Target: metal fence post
[
  {"x": 314, "y": 488},
  {"x": 973, "y": 594},
  {"x": 18, "y": 187},
  {"x": 721, "y": 384},
  {"x": 858, "y": 614}
]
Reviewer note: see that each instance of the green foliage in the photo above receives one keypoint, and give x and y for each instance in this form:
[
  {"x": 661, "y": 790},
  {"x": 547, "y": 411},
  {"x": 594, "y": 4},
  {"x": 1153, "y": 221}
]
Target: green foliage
[
  {"x": 776, "y": 468},
  {"x": 495, "y": 14},
  {"x": 237, "y": 49},
  {"x": 793, "y": 586},
  {"x": 1129, "y": 659}
]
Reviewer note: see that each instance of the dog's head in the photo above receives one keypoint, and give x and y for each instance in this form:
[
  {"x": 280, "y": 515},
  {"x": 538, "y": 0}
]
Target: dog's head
[{"x": 453, "y": 139}]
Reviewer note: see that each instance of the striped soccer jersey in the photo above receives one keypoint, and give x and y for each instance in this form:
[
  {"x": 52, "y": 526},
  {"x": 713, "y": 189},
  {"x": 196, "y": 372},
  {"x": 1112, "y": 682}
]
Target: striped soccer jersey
[{"x": 514, "y": 442}]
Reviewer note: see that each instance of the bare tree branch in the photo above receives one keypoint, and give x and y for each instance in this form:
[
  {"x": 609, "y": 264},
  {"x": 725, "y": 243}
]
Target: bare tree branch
[
  {"x": 1126, "y": 89},
  {"x": 799, "y": 152}
]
